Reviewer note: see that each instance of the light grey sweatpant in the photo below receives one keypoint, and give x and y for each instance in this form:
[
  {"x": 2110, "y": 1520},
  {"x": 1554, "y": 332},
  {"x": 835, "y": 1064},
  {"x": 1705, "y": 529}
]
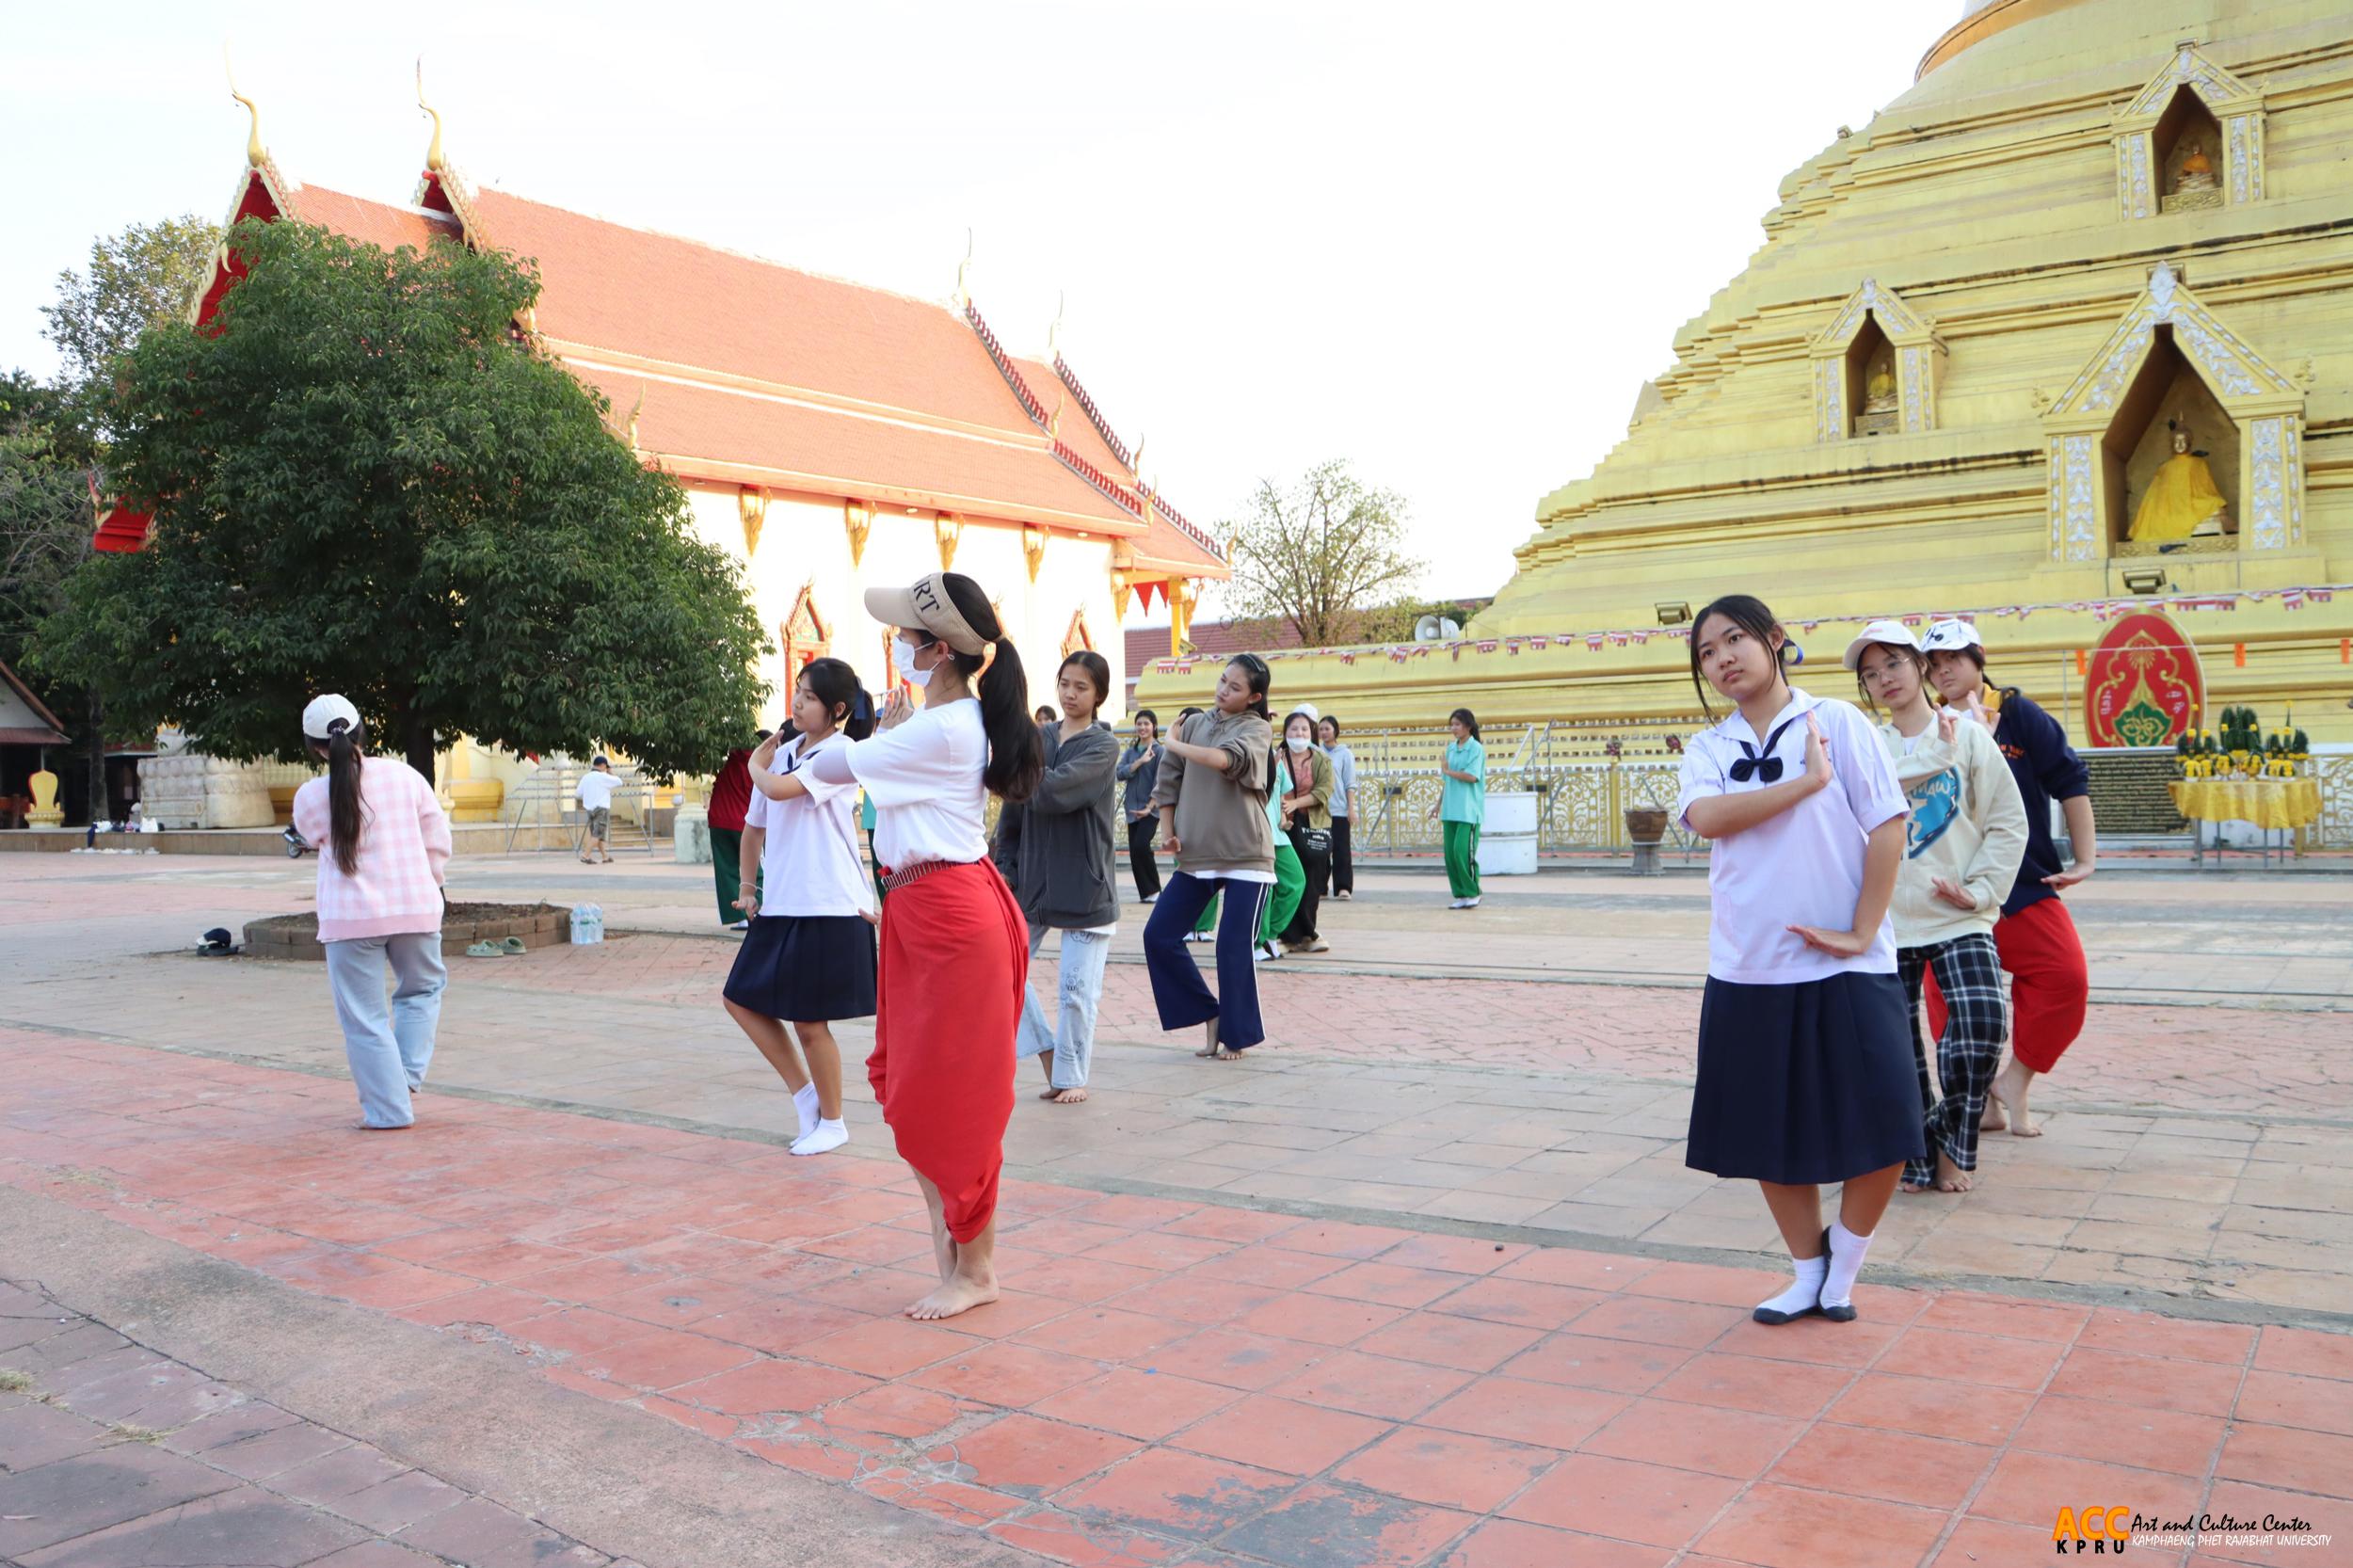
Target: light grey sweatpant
[{"x": 388, "y": 1047}]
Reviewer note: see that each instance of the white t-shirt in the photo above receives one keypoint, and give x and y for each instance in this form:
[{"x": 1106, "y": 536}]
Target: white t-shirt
[
  {"x": 810, "y": 864},
  {"x": 596, "y": 790},
  {"x": 1803, "y": 866},
  {"x": 924, "y": 779}
]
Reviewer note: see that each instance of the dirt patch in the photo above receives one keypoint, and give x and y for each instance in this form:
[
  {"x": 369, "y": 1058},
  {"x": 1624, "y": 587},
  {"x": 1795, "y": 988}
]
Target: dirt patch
[{"x": 540, "y": 925}]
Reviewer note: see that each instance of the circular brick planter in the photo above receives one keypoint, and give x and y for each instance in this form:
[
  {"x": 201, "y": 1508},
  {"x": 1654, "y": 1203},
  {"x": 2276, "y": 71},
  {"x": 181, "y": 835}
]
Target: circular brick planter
[{"x": 540, "y": 925}]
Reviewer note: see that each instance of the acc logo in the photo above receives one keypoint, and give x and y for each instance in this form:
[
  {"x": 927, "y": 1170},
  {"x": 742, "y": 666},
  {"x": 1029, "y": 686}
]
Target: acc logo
[{"x": 2097, "y": 1530}]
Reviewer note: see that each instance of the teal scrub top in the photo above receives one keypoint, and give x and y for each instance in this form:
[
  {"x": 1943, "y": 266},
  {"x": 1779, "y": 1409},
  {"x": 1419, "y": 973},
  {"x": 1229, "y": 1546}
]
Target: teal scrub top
[{"x": 1461, "y": 802}]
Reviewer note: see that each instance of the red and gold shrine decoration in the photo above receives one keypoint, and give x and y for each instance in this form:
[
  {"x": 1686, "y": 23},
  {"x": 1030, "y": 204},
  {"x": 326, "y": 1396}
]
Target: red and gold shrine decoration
[{"x": 2143, "y": 687}]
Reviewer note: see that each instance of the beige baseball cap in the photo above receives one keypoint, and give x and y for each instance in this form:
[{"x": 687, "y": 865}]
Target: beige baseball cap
[
  {"x": 1892, "y": 632},
  {"x": 925, "y": 606}
]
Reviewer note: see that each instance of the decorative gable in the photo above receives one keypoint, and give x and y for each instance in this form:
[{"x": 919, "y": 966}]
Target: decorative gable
[
  {"x": 805, "y": 633},
  {"x": 2144, "y": 181},
  {"x": 1916, "y": 359}
]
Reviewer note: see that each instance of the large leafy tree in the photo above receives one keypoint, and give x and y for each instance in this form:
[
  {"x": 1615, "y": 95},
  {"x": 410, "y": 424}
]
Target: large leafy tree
[
  {"x": 144, "y": 277},
  {"x": 362, "y": 482},
  {"x": 1317, "y": 555}
]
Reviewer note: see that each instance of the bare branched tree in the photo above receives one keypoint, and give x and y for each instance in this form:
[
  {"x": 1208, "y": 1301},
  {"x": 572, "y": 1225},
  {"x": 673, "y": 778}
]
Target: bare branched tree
[{"x": 1318, "y": 556}]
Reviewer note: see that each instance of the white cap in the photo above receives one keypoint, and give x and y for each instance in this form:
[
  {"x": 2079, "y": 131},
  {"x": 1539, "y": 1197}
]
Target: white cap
[
  {"x": 1949, "y": 636},
  {"x": 1894, "y": 631},
  {"x": 320, "y": 719}
]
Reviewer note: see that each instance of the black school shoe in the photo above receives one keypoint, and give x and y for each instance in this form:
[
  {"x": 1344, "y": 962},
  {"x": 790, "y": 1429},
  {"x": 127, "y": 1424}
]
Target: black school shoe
[
  {"x": 1835, "y": 1314},
  {"x": 1775, "y": 1317}
]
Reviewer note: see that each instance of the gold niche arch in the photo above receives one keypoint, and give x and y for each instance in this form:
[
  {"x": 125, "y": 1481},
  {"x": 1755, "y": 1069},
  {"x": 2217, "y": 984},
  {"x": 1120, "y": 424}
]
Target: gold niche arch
[
  {"x": 1914, "y": 361},
  {"x": 1077, "y": 637},
  {"x": 2141, "y": 136},
  {"x": 805, "y": 634}
]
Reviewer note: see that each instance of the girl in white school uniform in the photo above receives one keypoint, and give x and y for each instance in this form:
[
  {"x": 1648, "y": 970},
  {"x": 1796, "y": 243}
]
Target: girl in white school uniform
[
  {"x": 808, "y": 956},
  {"x": 1804, "y": 1057}
]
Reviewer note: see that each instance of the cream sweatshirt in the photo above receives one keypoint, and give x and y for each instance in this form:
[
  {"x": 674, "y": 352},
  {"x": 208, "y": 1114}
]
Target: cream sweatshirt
[{"x": 1968, "y": 825}]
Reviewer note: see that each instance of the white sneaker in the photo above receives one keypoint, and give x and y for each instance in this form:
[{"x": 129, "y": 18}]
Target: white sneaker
[
  {"x": 1147, "y": 898},
  {"x": 1470, "y": 904},
  {"x": 1267, "y": 951},
  {"x": 1460, "y": 904},
  {"x": 821, "y": 1139}
]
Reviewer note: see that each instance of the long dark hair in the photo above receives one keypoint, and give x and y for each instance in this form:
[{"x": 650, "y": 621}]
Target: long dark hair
[
  {"x": 1258, "y": 678},
  {"x": 1748, "y": 612},
  {"x": 1470, "y": 720},
  {"x": 833, "y": 682},
  {"x": 1016, "y": 752},
  {"x": 344, "y": 746},
  {"x": 1098, "y": 672}
]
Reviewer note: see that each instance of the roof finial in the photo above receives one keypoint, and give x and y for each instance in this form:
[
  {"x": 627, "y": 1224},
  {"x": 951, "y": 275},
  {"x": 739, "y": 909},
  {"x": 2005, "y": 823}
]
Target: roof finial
[
  {"x": 1135, "y": 464},
  {"x": 255, "y": 153},
  {"x": 634, "y": 414},
  {"x": 434, "y": 162},
  {"x": 1053, "y": 333},
  {"x": 964, "y": 297}
]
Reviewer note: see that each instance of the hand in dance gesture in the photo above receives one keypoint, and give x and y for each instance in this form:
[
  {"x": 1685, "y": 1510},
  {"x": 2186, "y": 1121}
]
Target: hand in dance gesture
[
  {"x": 896, "y": 711},
  {"x": 1818, "y": 769},
  {"x": 1839, "y": 944},
  {"x": 1977, "y": 709},
  {"x": 1169, "y": 845},
  {"x": 764, "y": 755},
  {"x": 1952, "y": 893},
  {"x": 1947, "y": 723},
  {"x": 747, "y": 902},
  {"x": 2068, "y": 877}
]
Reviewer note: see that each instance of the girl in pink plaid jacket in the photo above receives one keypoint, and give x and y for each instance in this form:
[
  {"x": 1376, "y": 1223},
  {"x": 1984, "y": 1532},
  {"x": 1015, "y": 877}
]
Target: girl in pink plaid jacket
[{"x": 383, "y": 846}]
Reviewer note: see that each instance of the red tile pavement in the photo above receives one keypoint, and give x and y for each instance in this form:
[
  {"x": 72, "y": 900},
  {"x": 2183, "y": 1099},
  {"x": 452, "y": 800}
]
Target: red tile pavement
[{"x": 1179, "y": 1383}]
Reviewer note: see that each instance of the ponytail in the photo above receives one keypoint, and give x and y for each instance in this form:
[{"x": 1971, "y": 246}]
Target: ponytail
[
  {"x": 1016, "y": 752},
  {"x": 833, "y": 682},
  {"x": 343, "y": 794}
]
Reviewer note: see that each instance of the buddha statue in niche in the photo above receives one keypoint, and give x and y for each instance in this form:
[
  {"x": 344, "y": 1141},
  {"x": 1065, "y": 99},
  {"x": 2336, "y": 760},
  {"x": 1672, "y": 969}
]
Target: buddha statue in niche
[
  {"x": 2182, "y": 500},
  {"x": 1879, "y": 390},
  {"x": 2197, "y": 169}
]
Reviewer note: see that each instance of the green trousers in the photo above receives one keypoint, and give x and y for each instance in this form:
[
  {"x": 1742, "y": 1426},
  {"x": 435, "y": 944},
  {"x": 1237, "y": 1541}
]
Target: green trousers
[
  {"x": 726, "y": 859},
  {"x": 1462, "y": 857},
  {"x": 1290, "y": 885}
]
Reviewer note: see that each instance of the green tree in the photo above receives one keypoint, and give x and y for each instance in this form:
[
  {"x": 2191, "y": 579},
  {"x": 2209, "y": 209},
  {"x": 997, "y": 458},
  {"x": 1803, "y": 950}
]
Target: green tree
[
  {"x": 362, "y": 482},
  {"x": 1317, "y": 555},
  {"x": 146, "y": 275}
]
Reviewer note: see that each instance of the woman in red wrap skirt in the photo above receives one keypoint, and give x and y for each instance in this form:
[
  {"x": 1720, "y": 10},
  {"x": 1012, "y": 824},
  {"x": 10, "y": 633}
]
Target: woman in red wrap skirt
[{"x": 954, "y": 945}]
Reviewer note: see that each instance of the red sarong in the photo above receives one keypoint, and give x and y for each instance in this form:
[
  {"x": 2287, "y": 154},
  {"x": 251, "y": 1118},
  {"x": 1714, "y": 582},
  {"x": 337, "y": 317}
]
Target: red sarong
[{"x": 956, "y": 955}]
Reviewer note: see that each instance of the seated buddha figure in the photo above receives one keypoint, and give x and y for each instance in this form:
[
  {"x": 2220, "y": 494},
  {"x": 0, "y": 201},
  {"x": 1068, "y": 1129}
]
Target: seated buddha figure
[
  {"x": 1878, "y": 392},
  {"x": 2182, "y": 498},
  {"x": 2197, "y": 169}
]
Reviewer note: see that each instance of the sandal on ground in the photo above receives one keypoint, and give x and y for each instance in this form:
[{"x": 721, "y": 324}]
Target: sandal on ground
[
  {"x": 486, "y": 949},
  {"x": 512, "y": 947}
]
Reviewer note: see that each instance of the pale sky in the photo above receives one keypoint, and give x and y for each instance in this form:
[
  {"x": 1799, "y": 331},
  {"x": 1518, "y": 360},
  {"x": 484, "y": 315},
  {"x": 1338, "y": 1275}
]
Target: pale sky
[{"x": 1445, "y": 243}]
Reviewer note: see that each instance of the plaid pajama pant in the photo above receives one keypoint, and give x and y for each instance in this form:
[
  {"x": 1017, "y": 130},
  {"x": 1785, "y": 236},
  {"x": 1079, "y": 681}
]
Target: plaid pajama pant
[{"x": 1968, "y": 971}]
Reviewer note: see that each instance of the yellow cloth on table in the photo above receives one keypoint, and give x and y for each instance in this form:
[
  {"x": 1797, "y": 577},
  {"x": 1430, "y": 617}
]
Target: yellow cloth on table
[
  {"x": 2266, "y": 802},
  {"x": 2181, "y": 496}
]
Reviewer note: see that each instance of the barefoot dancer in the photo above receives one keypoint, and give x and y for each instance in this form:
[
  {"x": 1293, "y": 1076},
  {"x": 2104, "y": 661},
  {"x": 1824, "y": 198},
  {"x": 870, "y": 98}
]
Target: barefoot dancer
[
  {"x": 1960, "y": 855},
  {"x": 2049, "y": 981},
  {"x": 808, "y": 957},
  {"x": 1217, "y": 775},
  {"x": 1803, "y": 1073},
  {"x": 955, "y": 949},
  {"x": 1061, "y": 844},
  {"x": 385, "y": 850}
]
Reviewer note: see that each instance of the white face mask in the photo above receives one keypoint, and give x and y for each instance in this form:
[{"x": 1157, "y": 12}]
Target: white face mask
[
  {"x": 1297, "y": 742},
  {"x": 903, "y": 660}
]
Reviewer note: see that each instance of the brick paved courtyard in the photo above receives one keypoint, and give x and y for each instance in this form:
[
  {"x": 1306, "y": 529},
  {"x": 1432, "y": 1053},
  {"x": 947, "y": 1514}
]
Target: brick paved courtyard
[{"x": 1425, "y": 1285}]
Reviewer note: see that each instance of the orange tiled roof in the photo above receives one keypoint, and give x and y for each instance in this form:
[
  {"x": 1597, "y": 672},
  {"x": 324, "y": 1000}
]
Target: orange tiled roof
[{"x": 371, "y": 221}]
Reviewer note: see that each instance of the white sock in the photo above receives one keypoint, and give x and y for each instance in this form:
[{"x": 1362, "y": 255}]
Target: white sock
[
  {"x": 1846, "y": 1262},
  {"x": 823, "y": 1139},
  {"x": 1804, "y": 1291},
  {"x": 805, "y": 1101}
]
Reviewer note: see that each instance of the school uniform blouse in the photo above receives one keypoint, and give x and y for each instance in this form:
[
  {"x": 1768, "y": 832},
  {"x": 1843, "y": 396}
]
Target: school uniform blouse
[
  {"x": 1458, "y": 801},
  {"x": 924, "y": 780},
  {"x": 1803, "y": 866}
]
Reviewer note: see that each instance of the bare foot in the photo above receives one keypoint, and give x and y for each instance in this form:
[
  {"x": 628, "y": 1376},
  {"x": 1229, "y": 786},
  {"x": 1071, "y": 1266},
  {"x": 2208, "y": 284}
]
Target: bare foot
[
  {"x": 955, "y": 1294},
  {"x": 1219, "y": 1053},
  {"x": 1992, "y": 1121},
  {"x": 1068, "y": 1097},
  {"x": 1910, "y": 1186},
  {"x": 1949, "y": 1177},
  {"x": 387, "y": 1126},
  {"x": 2010, "y": 1089},
  {"x": 1049, "y": 1093}
]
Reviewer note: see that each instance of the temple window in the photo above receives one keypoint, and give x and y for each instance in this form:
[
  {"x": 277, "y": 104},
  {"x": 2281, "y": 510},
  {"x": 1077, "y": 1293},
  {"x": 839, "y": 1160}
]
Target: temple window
[
  {"x": 2171, "y": 461},
  {"x": 1869, "y": 364},
  {"x": 804, "y": 635},
  {"x": 2191, "y": 139}
]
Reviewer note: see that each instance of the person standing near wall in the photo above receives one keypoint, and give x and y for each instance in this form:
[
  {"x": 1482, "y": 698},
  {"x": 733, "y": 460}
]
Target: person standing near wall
[
  {"x": 1343, "y": 870},
  {"x": 384, "y": 854},
  {"x": 595, "y": 795},
  {"x": 1462, "y": 806},
  {"x": 1139, "y": 770}
]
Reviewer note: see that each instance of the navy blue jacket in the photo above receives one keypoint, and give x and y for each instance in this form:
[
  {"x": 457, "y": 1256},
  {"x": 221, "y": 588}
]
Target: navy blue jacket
[{"x": 2047, "y": 768}]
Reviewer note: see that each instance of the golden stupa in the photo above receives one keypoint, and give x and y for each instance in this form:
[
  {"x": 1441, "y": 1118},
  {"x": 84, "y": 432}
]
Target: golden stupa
[{"x": 2089, "y": 223}]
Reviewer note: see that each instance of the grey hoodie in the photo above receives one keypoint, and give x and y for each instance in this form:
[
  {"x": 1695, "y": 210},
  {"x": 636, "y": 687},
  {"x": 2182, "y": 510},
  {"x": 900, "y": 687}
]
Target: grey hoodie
[
  {"x": 1219, "y": 819},
  {"x": 1056, "y": 847}
]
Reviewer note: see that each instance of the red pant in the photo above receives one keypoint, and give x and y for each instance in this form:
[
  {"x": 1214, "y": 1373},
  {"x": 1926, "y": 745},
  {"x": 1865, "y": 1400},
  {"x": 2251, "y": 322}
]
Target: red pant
[{"x": 2049, "y": 984}]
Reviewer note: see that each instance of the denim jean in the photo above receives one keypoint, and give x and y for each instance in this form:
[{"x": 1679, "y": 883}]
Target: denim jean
[
  {"x": 388, "y": 1047},
  {"x": 1178, "y": 989},
  {"x": 1078, "y": 982}
]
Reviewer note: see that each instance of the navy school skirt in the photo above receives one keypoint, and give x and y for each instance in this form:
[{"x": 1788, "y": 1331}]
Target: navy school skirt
[
  {"x": 807, "y": 969},
  {"x": 1804, "y": 1083}
]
